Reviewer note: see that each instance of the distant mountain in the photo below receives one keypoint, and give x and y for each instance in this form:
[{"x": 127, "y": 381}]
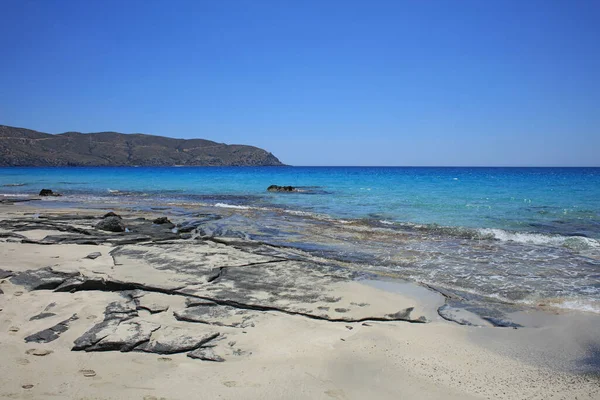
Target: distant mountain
[{"x": 25, "y": 147}]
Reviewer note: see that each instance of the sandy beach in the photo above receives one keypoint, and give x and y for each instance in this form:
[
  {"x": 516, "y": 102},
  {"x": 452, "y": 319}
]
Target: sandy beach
[{"x": 163, "y": 312}]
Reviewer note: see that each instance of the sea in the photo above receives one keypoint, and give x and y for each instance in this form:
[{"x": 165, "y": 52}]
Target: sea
[{"x": 514, "y": 236}]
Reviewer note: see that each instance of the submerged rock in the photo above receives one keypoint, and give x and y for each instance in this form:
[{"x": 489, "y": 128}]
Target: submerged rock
[
  {"x": 277, "y": 188},
  {"x": 48, "y": 192},
  {"x": 111, "y": 224},
  {"x": 111, "y": 214},
  {"x": 161, "y": 220}
]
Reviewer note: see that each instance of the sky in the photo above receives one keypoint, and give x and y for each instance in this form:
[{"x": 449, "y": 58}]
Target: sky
[{"x": 436, "y": 83}]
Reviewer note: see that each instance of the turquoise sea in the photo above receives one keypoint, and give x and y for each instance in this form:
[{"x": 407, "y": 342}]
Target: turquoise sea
[{"x": 542, "y": 225}]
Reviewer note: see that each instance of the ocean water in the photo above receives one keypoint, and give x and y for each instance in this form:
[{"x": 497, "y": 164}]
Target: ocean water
[{"x": 517, "y": 235}]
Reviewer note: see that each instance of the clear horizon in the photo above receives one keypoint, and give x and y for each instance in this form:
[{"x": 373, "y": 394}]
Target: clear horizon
[{"x": 342, "y": 83}]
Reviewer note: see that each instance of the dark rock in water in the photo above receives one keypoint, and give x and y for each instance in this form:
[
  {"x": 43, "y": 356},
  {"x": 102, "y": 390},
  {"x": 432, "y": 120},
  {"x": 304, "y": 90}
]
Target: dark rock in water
[
  {"x": 93, "y": 256},
  {"x": 161, "y": 220},
  {"x": 111, "y": 224},
  {"x": 206, "y": 354},
  {"x": 111, "y": 214},
  {"x": 48, "y": 192},
  {"x": 52, "y": 333},
  {"x": 277, "y": 188}
]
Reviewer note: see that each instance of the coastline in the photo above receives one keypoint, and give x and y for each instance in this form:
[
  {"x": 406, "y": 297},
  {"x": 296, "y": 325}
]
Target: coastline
[{"x": 284, "y": 345}]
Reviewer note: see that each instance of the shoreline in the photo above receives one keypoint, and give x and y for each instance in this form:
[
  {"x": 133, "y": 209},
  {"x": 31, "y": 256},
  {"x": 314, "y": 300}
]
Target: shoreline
[
  {"x": 184, "y": 210},
  {"x": 295, "y": 320}
]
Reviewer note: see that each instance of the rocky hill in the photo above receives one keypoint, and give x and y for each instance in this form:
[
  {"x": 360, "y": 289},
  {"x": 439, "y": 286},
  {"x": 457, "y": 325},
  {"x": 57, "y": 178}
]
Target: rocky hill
[{"x": 25, "y": 147}]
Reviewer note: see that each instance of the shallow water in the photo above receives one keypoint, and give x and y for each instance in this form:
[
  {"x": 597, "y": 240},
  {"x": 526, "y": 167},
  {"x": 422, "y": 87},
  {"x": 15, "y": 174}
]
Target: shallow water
[{"x": 524, "y": 236}]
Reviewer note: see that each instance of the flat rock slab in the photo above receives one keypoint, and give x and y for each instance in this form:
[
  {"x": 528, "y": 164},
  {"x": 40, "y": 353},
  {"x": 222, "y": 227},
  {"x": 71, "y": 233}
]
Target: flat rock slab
[
  {"x": 170, "y": 340},
  {"x": 196, "y": 258},
  {"x": 216, "y": 315},
  {"x": 152, "y": 302},
  {"x": 126, "y": 336},
  {"x": 206, "y": 354},
  {"x": 42, "y": 279},
  {"x": 52, "y": 333}
]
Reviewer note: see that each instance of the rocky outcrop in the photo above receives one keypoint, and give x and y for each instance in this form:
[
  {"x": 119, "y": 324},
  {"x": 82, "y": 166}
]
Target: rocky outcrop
[
  {"x": 48, "y": 192},
  {"x": 24, "y": 147},
  {"x": 111, "y": 224},
  {"x": 277, "y": 188},
  {"x": 216, "y": 287}
]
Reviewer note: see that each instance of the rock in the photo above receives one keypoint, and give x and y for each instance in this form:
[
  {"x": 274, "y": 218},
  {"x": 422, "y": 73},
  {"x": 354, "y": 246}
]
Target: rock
[
  {"x": 5, "y": 274},
  {"x": 39, "y": 352},
  {"x": 52, "y": 333},
  {"x": 277, "y": 188},
  {"x": 88, "y": 373},
  {"x": 48, "y": 192},
  {"x": 93, "y": 256},
  {"x": 206, "y": 354},
  {"x": 215, "y": 315},
  {"x": 28, "y": 386},
  {"x": 41, "y": 279},
  {"x": 171, "y": 340},
  {"x": 120, "y": 310},
  {"x": 13, "y": 329},
  {"x": 111, "y": 214},
  {"x": 95, "y": 334},
  {"x": 161, "y": 221},
  {"x": 126, "y": 337},
  {"x": 42, "y": 316},
  {"x": 111, "y": 224}
]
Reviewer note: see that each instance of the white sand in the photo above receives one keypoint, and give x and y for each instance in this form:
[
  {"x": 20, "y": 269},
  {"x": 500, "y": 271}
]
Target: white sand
[{"x": 287, "y": 356}]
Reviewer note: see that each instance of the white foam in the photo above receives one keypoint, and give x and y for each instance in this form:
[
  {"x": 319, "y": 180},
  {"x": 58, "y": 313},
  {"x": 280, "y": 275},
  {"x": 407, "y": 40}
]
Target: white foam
[
  {"x": 572, "y": 242},
  {"x": 15, "y": 195},
  {"x": 225, "y": 205}
]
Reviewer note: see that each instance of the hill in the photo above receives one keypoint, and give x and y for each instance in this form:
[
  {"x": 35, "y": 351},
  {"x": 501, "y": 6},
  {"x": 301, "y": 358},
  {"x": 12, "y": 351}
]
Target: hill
[{"x": 25, "y": 147}]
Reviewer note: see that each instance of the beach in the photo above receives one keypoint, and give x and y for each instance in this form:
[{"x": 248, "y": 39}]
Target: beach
[{"x": 173, "y": 310}]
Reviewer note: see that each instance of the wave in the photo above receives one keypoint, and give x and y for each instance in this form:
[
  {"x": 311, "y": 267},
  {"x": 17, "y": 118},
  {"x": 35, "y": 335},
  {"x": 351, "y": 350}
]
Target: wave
[
  {"x": 571, "y": 242},
  {"x": 14, "y": 184},
  {"x": 16, "y": 195},
  {"x": 543, "y": 239},
  {"x": 225, "y": 205}
]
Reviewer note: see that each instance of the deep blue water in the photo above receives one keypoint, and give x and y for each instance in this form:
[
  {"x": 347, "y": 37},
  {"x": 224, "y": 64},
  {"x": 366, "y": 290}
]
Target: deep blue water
[{"x": 563, "y": 201}]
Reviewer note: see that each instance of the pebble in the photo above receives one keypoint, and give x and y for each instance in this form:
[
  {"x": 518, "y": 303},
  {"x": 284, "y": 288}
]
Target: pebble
[{"x": 28, "y": 386}]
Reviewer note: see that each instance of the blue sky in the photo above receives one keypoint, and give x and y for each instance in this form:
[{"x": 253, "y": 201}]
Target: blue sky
[{"x": 316, "y": 82}]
